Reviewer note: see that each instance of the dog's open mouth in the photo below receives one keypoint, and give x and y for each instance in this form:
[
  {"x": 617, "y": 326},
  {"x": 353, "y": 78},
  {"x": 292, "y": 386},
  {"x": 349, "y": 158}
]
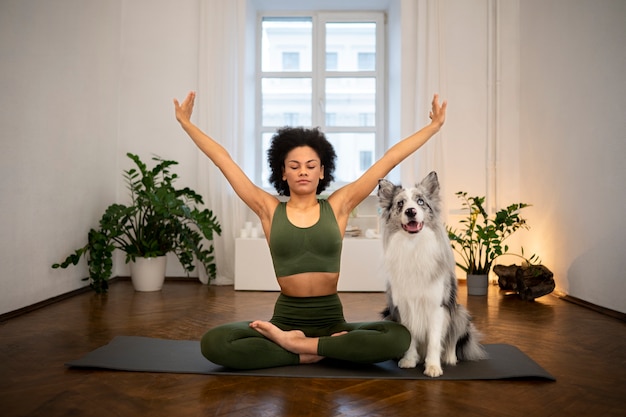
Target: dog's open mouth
[{"x": 413, "y": 226}]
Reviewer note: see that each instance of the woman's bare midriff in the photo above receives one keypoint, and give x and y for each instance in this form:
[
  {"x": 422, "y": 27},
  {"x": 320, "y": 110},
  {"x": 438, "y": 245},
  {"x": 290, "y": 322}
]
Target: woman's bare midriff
[{"x": 309, "y": 284}]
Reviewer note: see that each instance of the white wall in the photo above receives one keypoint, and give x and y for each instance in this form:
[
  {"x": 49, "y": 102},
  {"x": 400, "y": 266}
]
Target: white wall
[
  {"x": 573, "y": 142},
  {"x": 60, "y": 71},
  {"x": 84, "y": 82}
]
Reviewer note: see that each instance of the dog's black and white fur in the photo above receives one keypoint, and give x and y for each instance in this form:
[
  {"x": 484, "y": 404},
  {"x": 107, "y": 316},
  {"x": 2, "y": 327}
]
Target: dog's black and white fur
[{"x": 421, "y": 281}]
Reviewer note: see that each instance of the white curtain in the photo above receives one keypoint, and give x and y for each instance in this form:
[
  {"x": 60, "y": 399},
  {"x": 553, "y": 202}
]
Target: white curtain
[
  {"x": 220, "y": 107},
  {"x": 423, "y": 53}
]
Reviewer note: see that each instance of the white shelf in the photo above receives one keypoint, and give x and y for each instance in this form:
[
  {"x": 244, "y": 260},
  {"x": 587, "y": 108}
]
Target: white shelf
[{"x": 361, "y": 262}]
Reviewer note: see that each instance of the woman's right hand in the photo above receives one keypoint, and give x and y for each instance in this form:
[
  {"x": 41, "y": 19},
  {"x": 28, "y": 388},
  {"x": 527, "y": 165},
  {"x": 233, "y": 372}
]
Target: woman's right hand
[{"x": 183, "y": 110}]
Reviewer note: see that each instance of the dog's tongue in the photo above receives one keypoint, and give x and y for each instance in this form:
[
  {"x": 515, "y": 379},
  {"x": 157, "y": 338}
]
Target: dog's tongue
[{"x": 413, "y": 227}]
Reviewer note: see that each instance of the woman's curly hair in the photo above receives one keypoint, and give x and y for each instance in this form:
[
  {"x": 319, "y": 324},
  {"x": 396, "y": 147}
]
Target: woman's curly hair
[{"x": 288, "y": 138}]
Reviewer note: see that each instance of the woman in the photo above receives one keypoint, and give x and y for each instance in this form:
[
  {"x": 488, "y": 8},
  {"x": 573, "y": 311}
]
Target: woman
[{"x": 304, "y": 235}]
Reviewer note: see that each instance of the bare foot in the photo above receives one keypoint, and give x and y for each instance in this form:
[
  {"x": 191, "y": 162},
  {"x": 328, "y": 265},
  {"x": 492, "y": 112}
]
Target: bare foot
[{"x": 294, "y": 340}]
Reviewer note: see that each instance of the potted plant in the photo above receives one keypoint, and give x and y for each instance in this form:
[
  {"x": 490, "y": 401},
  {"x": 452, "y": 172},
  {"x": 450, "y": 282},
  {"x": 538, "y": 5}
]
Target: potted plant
[
  {"x": 481, "y": 239},
  {"x": 160, "y": 219}
]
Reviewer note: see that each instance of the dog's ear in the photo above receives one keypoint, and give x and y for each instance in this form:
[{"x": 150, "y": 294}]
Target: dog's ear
[
  {"x": 430, "y": 183},
  {"x": 386, "y": 191}
]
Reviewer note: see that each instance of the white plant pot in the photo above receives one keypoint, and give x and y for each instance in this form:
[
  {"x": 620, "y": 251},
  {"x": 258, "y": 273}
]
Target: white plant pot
[
  {"x": 477, "y": 284},
  {"x": 148, "y": 274}
]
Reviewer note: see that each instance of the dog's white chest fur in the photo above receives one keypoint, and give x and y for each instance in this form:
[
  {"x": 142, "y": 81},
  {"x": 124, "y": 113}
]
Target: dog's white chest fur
[{"x": 411, "y": 260}]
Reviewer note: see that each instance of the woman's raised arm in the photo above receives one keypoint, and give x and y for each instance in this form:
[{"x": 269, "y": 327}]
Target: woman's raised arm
[
  {"x": 348, "y": 197},
  {"x": 261, "y": 202}
]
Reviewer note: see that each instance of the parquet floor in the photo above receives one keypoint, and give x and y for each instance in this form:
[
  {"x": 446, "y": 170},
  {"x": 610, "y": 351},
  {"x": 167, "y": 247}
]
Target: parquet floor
[{"x": 583, "y": 349}]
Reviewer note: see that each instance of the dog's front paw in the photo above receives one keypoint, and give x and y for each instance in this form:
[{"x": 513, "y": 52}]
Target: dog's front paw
[
  {"x": 433, "y": 370},
  {"x": 408, "y": 361}
]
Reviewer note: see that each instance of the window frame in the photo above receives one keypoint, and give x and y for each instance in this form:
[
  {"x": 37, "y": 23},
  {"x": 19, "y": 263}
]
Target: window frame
[{"x": 319, "y": 74}]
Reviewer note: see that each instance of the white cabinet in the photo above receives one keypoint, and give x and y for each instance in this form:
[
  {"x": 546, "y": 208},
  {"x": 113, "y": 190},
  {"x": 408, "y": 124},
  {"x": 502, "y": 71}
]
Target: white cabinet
[
  {"x": 361, "y": 262},
  {"x": 253, "y": 266}
]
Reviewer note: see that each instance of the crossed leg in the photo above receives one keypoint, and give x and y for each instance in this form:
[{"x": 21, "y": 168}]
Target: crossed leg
[{"x": 292, "y": 340}]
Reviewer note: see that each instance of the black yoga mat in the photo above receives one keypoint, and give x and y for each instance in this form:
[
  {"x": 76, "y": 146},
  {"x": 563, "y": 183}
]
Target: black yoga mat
[{"x": 144, "y": 354}]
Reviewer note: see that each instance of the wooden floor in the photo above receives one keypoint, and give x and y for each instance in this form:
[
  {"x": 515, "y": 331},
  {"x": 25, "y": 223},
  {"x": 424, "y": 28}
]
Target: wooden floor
[{"x": 583, "y": 349}]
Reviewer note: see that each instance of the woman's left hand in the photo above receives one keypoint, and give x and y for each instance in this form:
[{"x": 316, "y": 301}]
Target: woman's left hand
[{"x": 438, "y": 112}]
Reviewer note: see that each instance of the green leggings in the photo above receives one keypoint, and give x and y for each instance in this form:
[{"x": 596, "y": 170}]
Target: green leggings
[{"x": 236, "y": 345}]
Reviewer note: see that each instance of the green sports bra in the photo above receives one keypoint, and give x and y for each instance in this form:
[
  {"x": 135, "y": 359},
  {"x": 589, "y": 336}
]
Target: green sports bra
[{"x": 305, "y": 249}]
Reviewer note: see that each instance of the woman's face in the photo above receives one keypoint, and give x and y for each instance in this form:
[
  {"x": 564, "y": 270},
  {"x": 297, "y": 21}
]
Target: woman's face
[{"x": 303, "y": 170}]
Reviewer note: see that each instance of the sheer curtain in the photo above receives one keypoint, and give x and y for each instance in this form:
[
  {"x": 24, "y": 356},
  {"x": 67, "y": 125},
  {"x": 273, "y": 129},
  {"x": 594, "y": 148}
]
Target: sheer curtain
[
  {"x": 220, "y": 110},
  {"x": 423, "y": 53}
]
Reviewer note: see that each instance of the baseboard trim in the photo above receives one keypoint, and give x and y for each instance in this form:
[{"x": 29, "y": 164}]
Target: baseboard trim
[
  {"x": 603, "y": 310},
  {"x": 178, "y": 279},
  {"x": 24, "y": 310}
]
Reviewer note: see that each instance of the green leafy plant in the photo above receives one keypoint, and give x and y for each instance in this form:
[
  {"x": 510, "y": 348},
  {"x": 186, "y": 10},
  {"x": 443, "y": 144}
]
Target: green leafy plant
[
  {"x": 160, "y": 219},
  {"x": 481, "y": 238}
]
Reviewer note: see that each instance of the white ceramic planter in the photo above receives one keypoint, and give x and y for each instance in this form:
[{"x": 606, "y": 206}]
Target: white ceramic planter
[
  {"x": 148, "y": 274},
  {"x": 477, "y": 284}
]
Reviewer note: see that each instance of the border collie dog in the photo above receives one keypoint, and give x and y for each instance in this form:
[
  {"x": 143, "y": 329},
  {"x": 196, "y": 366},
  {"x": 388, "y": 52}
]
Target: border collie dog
[{"x": 421, "y": 281}]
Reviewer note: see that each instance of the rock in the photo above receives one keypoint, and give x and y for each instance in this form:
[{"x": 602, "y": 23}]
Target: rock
[{"x": 529, "y": 282}]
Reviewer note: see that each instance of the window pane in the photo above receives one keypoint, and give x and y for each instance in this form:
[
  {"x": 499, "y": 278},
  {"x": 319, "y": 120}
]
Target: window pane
[
  {"x": 286, "y": 101},
  {"x": 352, "y": 154},
  {"x": 352, "y": 43},
  {"x": 286, "y": 38},
  {"x": 350, "y": 101}
]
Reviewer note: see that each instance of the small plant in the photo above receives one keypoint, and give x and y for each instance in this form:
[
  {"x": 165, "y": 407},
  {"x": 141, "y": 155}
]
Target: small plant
[
  {"x": 160, "y": 219},
  {"x": 481, "y": 239}
]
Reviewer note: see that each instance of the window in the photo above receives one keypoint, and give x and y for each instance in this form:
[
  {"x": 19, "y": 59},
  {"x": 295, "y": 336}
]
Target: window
[{"x": 326, "y": 70}]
